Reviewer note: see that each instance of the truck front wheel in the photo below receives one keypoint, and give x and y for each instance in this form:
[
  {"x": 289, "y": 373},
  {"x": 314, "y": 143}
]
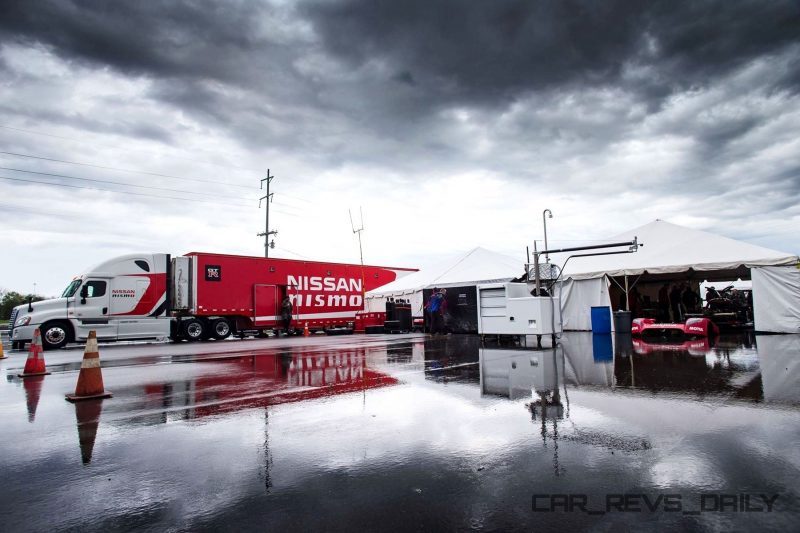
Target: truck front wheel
[
  {"x": 220, "y": 329},
  {"x": 55, "y": 335},
  {"x": 193, "y": 329}
]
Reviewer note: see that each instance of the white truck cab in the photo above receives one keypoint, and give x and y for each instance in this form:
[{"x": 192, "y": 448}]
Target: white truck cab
[{"x": 125, "y": 297}]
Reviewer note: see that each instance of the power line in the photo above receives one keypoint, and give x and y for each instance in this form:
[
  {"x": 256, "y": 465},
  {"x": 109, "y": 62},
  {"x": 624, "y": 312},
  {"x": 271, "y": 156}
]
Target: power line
[
  {"x": 140, "y": 186},
  {"x": 123, "y": 183},
  {"x": 36, "y": 210},
  {"x": 60, "y": 214},
  {"x": 131, "y": 193},
  {"x": 297, "y": 198},
  {"x": 295, "y": 253},
  {"x": 79, "y": 141},
  {"x": 140, "y": 172},
  {"x": 118, "y": 192},
  {"x": 119, "y": 169}
]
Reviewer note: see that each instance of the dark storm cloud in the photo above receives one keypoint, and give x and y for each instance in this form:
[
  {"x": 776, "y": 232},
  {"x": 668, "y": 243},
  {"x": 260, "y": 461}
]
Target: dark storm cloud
[
  {"x": 195, "y": 54},
  {"x": 384, "y": 69},
  {"x": 157, "y": 38},
  {"x": 707, "y": 39},
  {"x": 485, "y": 51},
  {"x": 453, "y": 50}
]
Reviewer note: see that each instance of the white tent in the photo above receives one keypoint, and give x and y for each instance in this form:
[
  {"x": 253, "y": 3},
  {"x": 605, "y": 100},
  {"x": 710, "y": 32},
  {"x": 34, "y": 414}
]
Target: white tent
[
  {"x": 479, "y": 265},
  {"x": 672, "y": 252}
]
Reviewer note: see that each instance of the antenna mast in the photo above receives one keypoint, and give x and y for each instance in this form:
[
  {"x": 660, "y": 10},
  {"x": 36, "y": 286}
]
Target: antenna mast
[{"x": 360, "y": 251}]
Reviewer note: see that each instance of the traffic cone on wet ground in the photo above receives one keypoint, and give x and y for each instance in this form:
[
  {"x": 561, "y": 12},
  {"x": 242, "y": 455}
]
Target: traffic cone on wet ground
[
  {"x": 34, "y": 366},
  {"x": 2, "y": 353},
  {"x": 33, "y": 390},
  {"x": 88, "y": 417},
  {"x": 306, "y": 333},
  {"x": 90, "y": 379}
]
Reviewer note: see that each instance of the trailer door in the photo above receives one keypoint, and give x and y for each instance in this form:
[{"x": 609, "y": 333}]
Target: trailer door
[{"x": 265, "y": 308}]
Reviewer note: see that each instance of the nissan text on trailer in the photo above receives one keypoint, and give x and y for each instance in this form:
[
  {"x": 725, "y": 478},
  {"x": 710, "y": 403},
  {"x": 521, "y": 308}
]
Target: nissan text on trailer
[{"x": 198, "y": 296}]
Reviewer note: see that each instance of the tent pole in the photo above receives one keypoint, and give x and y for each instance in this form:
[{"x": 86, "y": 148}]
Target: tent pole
[
  {"x": 615, "y": 283},
  {"x": 627, "y": 299},
  {"x": 536, "y": 278},
  {"x": 633, "y": 374}
]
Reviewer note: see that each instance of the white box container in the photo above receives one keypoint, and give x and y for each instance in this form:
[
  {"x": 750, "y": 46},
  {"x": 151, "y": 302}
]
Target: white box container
[{"x": 509, "y": 309}]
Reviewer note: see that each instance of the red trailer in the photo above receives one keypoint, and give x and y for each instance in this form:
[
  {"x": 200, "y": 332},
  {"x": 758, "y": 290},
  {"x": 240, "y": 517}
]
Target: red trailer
[{"x": 223, "y": 292}]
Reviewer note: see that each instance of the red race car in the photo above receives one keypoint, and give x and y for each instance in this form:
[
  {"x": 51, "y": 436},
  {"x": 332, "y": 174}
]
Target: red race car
[
  {"x": 694, "y": 347},
  {"x": 693, "y": 327}
]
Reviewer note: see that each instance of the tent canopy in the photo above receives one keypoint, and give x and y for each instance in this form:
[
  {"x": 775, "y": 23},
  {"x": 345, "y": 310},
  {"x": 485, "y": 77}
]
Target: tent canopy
[
  {"x": 479, "y": 265},
  {"x": 670, "y": 250}
]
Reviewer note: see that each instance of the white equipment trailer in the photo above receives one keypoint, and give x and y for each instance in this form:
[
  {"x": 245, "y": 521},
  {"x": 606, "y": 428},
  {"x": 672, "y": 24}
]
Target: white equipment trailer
[{"x": 510, "y": 309}]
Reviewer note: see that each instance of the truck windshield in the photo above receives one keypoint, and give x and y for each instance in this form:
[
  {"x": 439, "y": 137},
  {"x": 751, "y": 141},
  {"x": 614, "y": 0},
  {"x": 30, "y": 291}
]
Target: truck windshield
[{"x": 71, "y": 288}]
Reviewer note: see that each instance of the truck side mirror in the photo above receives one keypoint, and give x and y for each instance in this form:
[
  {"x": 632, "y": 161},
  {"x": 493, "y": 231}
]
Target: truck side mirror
[{"x": 84, "y": 294}]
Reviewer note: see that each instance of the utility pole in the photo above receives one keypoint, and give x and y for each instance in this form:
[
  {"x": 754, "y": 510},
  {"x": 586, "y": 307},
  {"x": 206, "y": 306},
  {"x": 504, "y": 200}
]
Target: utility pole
[{"x": 268, "y": 199}]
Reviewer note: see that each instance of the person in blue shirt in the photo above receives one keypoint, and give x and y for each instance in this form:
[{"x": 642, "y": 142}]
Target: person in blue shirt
[{"x": 435, "y": 309}]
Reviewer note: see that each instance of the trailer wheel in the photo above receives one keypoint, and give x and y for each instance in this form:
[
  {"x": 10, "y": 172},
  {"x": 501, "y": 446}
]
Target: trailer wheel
[
  {"x": 220, "y": 329},
  {"x": 193, "y": 329}
]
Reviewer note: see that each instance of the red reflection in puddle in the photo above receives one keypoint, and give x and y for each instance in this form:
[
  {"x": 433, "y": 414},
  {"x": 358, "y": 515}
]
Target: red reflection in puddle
[{"x": 265, "y": 379}]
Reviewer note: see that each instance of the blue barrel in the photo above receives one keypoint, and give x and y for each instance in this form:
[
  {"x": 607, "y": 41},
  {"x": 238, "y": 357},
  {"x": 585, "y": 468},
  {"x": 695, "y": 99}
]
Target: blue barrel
[
  {"x": 602, "y": 349},
  {"x": 601, "y": 320}
]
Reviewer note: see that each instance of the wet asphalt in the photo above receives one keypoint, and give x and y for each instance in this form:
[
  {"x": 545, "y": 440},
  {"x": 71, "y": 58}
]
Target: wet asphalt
[{"x": 409, "y": 432}]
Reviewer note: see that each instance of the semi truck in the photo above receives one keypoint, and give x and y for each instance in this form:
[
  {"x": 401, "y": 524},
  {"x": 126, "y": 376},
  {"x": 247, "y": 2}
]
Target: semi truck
[{"x": 198, "y": 296}]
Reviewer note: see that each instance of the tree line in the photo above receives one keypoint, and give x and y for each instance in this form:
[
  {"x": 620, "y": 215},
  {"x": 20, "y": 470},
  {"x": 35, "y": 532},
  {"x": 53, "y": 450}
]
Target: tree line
[{"x": 10, "y": 299}]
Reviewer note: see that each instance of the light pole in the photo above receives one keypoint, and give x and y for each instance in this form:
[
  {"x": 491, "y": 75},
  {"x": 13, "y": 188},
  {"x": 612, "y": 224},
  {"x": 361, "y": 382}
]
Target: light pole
[{"x": 544, "y": 221}]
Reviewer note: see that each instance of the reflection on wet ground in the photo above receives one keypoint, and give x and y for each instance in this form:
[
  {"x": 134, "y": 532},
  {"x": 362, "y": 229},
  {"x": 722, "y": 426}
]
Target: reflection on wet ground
[{"x": 411, "y": 432}]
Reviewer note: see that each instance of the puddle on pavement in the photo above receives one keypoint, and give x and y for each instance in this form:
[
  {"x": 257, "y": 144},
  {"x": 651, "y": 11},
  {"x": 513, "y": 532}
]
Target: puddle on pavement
[{"x": 445, "y": 432}]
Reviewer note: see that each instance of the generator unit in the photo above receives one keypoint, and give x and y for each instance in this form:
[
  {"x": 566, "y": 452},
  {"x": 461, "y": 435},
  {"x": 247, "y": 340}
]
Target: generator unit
[{"x": 510, "y": 309}]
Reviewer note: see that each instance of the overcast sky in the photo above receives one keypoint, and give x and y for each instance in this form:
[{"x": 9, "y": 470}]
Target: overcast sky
[{"x": 147, "y": 126}]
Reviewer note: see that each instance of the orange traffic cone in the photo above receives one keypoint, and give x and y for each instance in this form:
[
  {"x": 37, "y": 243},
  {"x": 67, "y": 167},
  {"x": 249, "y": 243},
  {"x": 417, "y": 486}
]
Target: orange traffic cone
[
  {"x": 306, "y": 333},
  {"x": 2, "y": 353},
  {"x": 90, "y": 380},
  {"x": 33, "y": 390},
  {"x": 34, "y": 366},
  {"x": 88, "y": 417}
]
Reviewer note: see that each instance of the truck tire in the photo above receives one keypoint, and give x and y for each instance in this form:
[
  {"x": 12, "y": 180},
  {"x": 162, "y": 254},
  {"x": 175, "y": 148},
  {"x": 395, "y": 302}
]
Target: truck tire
[
  {"x": 193, "y": 329},
  {"x": 220, "y": 329},
  {"x": 55, "y": 335}
]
